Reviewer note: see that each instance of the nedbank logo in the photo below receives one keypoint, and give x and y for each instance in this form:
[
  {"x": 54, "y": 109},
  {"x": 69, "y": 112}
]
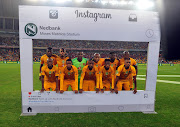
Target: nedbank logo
[{"x": 31, "y": 29}]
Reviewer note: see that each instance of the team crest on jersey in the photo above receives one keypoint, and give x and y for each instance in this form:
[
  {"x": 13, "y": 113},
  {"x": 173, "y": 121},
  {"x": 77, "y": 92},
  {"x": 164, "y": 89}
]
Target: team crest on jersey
[
  {"x": 90, "y": 73},
  {"x": 116, "y": 71},
  {"x": 96, "y": 65},
  {"x": 106, "y": 73},
  {"x": 69, "y": 73},
  {"x": 127, "y": 72},
  {"x": 49, "y": 73},
  {"x": 111, "y": 65},
  {"x": 63, "y": 61},
  {"x": 80, "y": 65}
]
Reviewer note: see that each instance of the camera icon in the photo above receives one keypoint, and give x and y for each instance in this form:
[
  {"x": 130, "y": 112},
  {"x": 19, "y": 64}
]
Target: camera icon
[
  {"x": 92, "y": 109},
  {"x": 133, "y": 18},
  {"x": 53, "y": 14},
  {"x": 121, "y": 108}
]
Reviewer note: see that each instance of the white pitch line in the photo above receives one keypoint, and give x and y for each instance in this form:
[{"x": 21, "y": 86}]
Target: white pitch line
[
  {"x": 164, "y": 81},
  {"x": 161, "y": 76}
]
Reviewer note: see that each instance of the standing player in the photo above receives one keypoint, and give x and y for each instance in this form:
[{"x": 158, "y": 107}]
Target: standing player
[
  {"x": 107, "y": 76},
  {"x": 50, "y": 75},
  {"x": 45, "y": 57},
  {"x": 113, "y": 61},
  {"x": 61, "y": 60},
  {"x": 79, "y": 63},
  {"x": 122, "y": 77},
  {"x": 69, "y": 77},
  {"x": 89, "y": 78},
  {"x": 98, "y": 62},
  {"x": 133, "y": 63}
]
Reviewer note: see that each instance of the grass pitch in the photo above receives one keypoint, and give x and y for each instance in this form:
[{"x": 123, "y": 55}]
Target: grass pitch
[{"x": 167, "y": 104}]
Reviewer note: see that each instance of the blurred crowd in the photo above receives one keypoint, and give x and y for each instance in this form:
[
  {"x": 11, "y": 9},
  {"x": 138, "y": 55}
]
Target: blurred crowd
[
  {"x": 14, "y": 41},
  {"x": 9, "y": 54},
  {"x": 9, "y": 49},
  {"x": 9, "y": 41},
  {"x": 13, "y": 54}
]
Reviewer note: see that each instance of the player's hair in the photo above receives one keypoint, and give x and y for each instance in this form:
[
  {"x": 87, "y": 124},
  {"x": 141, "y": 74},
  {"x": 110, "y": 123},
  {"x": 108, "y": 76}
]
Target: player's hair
[
  {"x": 49, "y": 48},
  {"x": 126, "y": 58},
  {"x": 112, "y": 53},
  {"x": 68, "y": 60},
  {"x": 96, "y": 54},
  {"x": 64, "y": 50},
  {"x": 125, "y": 52},
  {"x": 106, "y": 60}
]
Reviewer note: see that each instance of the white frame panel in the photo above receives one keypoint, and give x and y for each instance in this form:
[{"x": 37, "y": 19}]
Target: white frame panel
[{"x": 143, "y": 101}]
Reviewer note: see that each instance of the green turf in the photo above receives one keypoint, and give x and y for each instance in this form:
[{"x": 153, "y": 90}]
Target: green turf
[
  {"x": 167, "y": 104},
  {"x": 169, "y": 78}
]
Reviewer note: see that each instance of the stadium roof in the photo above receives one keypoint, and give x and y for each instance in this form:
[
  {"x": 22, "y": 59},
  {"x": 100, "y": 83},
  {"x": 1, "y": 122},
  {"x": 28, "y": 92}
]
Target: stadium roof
[{"x": 9, "y": 8}]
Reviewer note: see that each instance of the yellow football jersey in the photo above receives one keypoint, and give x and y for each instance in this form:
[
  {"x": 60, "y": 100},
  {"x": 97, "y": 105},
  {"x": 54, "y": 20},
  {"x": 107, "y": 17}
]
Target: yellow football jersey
[
  {"x": 50, "y": 74},
  {"x": 66, "y": 74},
  {"x": 124, "y": 73},
  {"x": 115, "y": 64},
  {"x": 44, "y": 59},
  {"x": 100, "y": 63},
  {"x": 61, "y": 62},
  {"x": 107, "y": 75},
  {"x": 69, "y": 74},
  {"x": 89, "y": 75}
]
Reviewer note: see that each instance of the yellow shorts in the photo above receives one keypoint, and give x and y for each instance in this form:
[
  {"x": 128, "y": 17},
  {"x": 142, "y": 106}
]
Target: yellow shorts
[
  {"x": 68, "y": 83},
  {"x": 49, "y": 85},
  {"x": 106, "y": 85},
  {"x": 123, "y": 83},
  {"x": 89, "y": 85}
]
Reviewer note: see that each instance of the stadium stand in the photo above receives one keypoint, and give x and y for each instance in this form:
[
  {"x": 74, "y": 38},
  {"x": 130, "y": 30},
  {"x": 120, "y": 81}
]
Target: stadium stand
[{"x": 138, "y": 50}]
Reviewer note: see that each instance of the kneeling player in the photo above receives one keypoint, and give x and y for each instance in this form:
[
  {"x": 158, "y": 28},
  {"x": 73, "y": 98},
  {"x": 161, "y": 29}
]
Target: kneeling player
[
  {"x": 106, "y": 76},
  {"x": 89, "y": 78},
  {"x": 122, "y": 77},
  {"x": 69, "y": 77},
  {"x": 50, "y": 76}
]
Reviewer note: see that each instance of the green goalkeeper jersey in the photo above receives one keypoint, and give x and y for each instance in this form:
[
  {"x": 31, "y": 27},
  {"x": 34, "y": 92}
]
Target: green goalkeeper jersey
[{"x": 79, "y": 65}]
